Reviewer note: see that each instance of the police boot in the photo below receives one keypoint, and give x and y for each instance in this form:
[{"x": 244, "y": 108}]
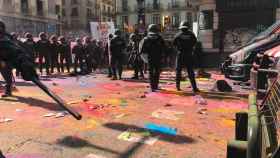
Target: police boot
[
  {"x": 1, "y": 155},
  {"x": 178, "y": 87},
  {"x": 8, "y": 92}
]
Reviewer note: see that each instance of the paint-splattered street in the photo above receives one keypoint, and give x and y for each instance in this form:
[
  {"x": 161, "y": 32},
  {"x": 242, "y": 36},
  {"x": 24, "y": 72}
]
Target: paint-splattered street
[{"x": 116, "y": 115}]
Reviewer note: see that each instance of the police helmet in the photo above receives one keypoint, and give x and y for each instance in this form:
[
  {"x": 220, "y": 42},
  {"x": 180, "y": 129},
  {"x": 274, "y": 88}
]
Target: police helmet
[
  {"x": 153, "y": 28},
  {"x": 111, "y": 36},
  {"x": 184, "y": 25},
  {"x": 62, "y": 38},
  {"x": 28, "y": 35},
  {"x": 42, "y": 35},
  {"x": 2, "y": 26},
  {"x": 118, "y": 32},
  {"x": 78, "y": 40},
  {"x": 132, "y": 36},
  {"x": 53, "y": 38}
]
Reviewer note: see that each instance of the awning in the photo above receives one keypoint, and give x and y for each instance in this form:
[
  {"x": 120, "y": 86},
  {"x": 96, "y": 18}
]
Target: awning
[{"x": 274, "y": 52}]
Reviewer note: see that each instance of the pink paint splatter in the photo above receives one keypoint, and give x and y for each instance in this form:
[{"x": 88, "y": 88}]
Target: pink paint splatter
[
  {"x": 227, "y": 104},
  {"x": 26, "y": 156}
]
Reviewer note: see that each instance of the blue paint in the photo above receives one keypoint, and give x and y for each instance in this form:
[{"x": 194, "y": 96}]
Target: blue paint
[{"x": 161, "y": 129}]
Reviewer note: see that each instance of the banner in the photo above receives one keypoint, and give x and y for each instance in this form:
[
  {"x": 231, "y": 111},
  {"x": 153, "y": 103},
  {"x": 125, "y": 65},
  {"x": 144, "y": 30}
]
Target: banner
[{"x": 101, "y": 30}]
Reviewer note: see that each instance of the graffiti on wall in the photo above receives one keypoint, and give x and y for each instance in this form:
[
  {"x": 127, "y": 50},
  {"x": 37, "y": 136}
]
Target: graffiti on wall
[{"x": 237, "y": 37}]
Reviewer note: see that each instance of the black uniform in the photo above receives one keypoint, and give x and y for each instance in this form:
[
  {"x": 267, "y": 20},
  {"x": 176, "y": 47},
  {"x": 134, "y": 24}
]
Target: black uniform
[
  {"x": 117, "y": 46},
  {"x": 135, "y": 59},
  {"x": 97, "y": 57},
  {"x": 184, "y": 42},
  {"x": 54, "y": 46},
  {"x": 107, "y": 57},
  {"x": 65, "y": 54},
  {"x": 79, "y": 52},
  {"x": 31, "y": 46},
  {"x": 154, "y": 46},
  {"x": 89, "y": 51},
  {"x": 43, "y": 49}
]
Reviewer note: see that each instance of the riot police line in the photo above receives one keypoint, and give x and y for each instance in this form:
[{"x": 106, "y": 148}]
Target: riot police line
[{"x": 86, "y": 55}]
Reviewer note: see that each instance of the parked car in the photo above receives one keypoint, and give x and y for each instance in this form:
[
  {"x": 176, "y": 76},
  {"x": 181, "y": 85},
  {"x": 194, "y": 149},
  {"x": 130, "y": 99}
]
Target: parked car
[{"x": 238, "y": 65}]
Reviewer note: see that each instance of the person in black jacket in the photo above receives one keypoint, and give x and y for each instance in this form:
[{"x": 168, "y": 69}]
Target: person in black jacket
[
  {"x": 153, "y": 46},
  {"x": 5, "y": 68},
  {"x": 134, "y": 56},
  {"x": 43, "y": 49},
  {"x": 30, "y": 45},
  {"x": 54, "y": 46},
  {"x": 65, "y": 54},
  {"x": 107, "y": 55},
  {"x": 117, "y": 47},
  {"x": 79, "y": 52},
  {"x": 184, "y": 42}
]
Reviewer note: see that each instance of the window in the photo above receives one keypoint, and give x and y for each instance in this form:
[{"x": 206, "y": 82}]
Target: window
[
  {"x": 175, "y": 20},
  {"x": 89, "y": 3},
  {"x": 206, "y": 20},
  {"x": 155, "y": 19},
  {"x": 74, "y": 2},
  {"x": 124, "y": 5},
  {"x": 189, "y": 18},
  {"x": 57, "y": 9},
  {"x": 125, "y": 20},
  {"x": 40, "y": 9},
  {"x": 155, "y": 4},
  {"x": 7, "y": 5},
  {"x": 74, "y": 12},
  {"x": 88, "y": 12},
  {"x": 24, "y": 6},
  {"x": 63, "y": 12}
]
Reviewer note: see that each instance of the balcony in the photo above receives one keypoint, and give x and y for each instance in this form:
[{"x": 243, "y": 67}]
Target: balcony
[
  {"x": 153, "y": 7},
  {"x": 179, "y": 6},
  {"x": 123, "y": 10}
]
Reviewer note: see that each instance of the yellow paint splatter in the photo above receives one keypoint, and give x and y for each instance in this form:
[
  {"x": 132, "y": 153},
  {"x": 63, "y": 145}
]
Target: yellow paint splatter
[
  {"x": 92, "y": 124},
  {"x": 228, "y": 123}
]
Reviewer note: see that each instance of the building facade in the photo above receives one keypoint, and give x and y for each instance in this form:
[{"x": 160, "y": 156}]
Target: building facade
[
  {"x": 225, "y": 25},
  {"x": 77, "y": 15},
  {"x": 32, "y": 16},
  {"x": 134, "y": 15}
]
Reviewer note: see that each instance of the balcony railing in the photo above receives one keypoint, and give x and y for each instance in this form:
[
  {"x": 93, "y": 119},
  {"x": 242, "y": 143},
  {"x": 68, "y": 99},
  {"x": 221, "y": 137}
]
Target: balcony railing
[
  {"x": 179, "y": 5},
  {"x": 123, "y": 9},
  {"x": 153, "y": 7}
]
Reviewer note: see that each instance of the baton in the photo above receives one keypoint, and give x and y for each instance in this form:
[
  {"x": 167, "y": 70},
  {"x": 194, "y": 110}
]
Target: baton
[{"x": 55, "y": 97}]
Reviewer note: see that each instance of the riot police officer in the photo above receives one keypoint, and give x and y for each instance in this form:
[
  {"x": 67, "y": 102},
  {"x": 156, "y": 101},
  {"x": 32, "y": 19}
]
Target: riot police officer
[
  {"x": 154, "y": 46},
  {"x": 134, "y": 56},
  {"x": 30, "y": 45},
  {"x": 65, "y": 54},
  {"x": 54, "y": 46},
  {"x": 5, "y": 67},
  {"x": 43, "y": 49},
  {"x": 79, "y": 52},
  {"x": 117, "y": 47},
  {"x": 107, "y": 55},
  {"x": 184, "y": 42}
]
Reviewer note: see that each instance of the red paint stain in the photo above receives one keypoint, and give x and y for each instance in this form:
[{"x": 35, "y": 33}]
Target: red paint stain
[
  {"x": 93, "y": 109},
  {"x": 112, "y": 86}
]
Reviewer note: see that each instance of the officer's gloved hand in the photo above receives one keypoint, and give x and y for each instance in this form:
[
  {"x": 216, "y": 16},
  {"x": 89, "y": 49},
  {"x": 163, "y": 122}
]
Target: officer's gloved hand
[{"x": 27, "y": 68}]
